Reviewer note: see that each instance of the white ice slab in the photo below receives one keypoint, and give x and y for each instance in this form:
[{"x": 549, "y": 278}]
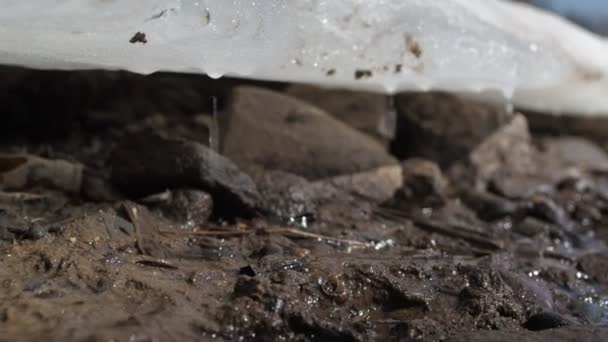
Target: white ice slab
[{"x": 491, "y": 47}]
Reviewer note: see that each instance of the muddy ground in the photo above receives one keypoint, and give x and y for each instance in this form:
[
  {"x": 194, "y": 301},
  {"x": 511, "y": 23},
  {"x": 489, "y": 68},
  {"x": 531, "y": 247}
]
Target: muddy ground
[{"x": 130, "y": 212}]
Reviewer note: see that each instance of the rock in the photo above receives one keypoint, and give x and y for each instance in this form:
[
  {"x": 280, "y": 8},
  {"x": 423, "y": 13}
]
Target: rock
[
  {"x": 363, "y": 111},
  {"x": 513, "y": 167},
  {"x": 507, "y": 151},
  {"x": 531, "y": 227},
  {"x": 577, "y": 152},
  {"x": 488, "y": 206},
  {"x": 378, "y": 185},
  {"x": 517, "y": 186},
  {"x": 146, "y": 163},
  {"x": 286, "y": 195},
  {"x": 595, "y": 265},
  {"x": 191, "y": 206},
  {"x": 423, "y": 183},
  {"x": 546, "y": 209},
  {"x": 533, "y": 290},
  {"x": 545, "y": 320},
  {"x": 20, "y": 171},
  {"x": 281, "y": 133},
  {"x": 488, "y": 294},
  {"x": 441, "y": 127},
  {"x": 593, "y": 128}
]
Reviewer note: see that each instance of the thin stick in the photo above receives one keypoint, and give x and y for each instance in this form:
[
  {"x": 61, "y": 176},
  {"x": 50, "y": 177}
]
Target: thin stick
[
  {"x": 451, "y": 230},
  {"x": 296, "y": 233},
  {"x": 16, "y": 197},
  {"x": 284, "y": 231},
  {"x": 132, "y": 213},
  {"x": 211, "y": 233}
]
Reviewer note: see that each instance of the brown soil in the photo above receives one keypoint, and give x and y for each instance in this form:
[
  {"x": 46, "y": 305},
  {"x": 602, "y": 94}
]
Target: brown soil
[{"x": 445, "y": 258}]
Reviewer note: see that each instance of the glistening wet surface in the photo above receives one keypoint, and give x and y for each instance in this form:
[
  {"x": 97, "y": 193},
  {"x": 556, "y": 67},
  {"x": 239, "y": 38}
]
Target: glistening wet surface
[{"x": 119, "y": 223}]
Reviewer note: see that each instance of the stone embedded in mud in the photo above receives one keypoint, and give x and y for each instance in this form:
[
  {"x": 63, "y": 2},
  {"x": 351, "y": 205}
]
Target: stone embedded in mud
[
  {"x": 443, "y": 128},
  {"x": 285, "y": 195},
  {"x": 279, "y": 132},
  {"x": 145, "y": 163},
  {"x": 191, "y": 206},
  {"x": 297, "y": 200},
  {"x": 423, "y": 184},
  {"x": 545, "y": 320}
]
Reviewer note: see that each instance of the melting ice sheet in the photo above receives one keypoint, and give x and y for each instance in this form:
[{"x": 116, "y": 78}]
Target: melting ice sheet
[{"x": 495, "y": 49}]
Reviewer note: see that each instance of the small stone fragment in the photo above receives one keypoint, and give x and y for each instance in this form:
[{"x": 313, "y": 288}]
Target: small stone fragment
[{"x": 138, "y": 37}]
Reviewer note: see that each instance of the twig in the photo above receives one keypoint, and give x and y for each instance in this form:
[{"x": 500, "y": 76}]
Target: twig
[
  {"x": 447, "y": 229},
  {"x": 210, "y": 233},
  {"x": 133, "y": 214},
  {"x": 160, "y": 263},
  {"x": 15, "y": 197},
  {"x": 284, "y": 231},
  {"x": 296, "y": 233}
]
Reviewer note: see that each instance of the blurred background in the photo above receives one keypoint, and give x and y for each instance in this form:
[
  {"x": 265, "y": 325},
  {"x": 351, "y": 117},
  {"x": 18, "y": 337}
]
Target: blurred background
[{"x": 592, "y": 14}]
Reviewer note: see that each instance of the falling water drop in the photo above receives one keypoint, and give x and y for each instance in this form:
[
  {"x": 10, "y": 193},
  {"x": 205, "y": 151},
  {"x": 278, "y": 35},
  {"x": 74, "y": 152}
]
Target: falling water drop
[{"x": 387, "y": 126}]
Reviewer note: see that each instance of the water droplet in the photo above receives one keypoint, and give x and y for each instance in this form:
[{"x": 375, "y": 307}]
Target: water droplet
[
  {"x": 215, "y": 76},
  {"x": 582, "y": 276},
  {"x": 534, "y": 47}
]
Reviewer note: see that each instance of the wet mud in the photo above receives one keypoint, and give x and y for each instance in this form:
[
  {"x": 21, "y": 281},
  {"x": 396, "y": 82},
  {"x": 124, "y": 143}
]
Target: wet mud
[{"x": 121, "y": 221}]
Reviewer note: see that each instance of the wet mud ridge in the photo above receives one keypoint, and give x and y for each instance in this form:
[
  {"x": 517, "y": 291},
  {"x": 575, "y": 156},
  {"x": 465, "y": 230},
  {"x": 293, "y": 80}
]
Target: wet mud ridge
[{"x": 176, "y": 208}]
